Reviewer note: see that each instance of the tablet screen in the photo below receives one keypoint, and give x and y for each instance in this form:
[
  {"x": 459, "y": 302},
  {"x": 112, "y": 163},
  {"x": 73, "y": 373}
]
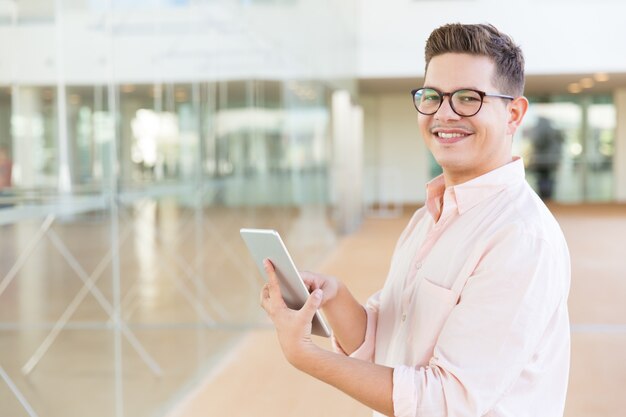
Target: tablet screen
[{"x": 267, "y": 244}]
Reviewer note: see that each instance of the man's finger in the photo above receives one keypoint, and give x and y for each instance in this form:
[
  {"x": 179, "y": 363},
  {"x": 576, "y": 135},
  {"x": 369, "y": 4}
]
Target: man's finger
[
  {"x": 312, "y": 304},
  {"x": 310, "y": 280},
  {"x": 264, "y": 295},
  {"x": 273, "y": 286}
]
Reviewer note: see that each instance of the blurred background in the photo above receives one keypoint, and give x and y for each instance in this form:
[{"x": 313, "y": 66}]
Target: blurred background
[{"x": 138, "y": 136}]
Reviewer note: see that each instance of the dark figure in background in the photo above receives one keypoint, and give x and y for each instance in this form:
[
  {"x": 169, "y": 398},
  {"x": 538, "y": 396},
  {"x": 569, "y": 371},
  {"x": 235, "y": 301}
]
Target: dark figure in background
[
  {"x": 547, "y": 143},
  {"x": 6, "y": 167}
]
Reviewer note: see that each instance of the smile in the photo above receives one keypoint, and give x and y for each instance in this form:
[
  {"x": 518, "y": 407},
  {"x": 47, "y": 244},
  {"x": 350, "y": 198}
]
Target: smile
[{"x": 449, "y": 136}]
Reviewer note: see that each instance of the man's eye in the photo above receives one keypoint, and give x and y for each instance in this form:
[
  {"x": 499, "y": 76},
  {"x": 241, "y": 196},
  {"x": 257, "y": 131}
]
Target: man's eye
[
  {"x": 468, "y": 98},
  {"x": 432, "y": 97}
]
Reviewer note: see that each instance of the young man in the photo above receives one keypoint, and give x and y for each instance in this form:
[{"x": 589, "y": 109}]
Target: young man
[{"x": 472, "y": 320}]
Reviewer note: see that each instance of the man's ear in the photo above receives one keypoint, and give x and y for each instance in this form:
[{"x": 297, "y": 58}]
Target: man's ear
[{"x": 517, "y": 109}]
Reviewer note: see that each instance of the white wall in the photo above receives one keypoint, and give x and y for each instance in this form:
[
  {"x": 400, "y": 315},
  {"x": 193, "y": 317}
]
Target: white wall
[
  {"x": 557, "y": 36},
  {"x": 395, "y": 157}
]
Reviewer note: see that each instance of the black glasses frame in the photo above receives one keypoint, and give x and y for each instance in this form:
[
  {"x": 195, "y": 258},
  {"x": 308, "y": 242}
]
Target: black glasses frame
[{"x": 442, "y": 95}]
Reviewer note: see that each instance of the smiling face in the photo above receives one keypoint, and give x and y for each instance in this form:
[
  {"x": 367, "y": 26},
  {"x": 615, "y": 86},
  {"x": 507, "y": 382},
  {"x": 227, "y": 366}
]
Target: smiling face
[{"x": 467, "y": 147}]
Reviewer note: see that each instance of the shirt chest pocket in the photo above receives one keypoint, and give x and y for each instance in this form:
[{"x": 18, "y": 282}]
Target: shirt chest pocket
[{"x": 430, "y": 309}]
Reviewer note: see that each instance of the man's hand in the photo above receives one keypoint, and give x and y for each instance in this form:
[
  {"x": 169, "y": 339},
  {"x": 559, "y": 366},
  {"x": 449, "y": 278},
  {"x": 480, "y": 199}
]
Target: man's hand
[
  {"x": 345, "y": 315},
  {"x": 368, "y": 383},
  {"x": 328, "y": 284},
  {"x": 292, "y": 326}
]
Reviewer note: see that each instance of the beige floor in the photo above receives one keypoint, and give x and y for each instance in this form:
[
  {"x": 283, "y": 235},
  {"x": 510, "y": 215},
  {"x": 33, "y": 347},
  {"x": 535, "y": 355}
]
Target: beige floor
[
  {"x": 187, "y": 294},
  {"x": 255, "y": 380}
]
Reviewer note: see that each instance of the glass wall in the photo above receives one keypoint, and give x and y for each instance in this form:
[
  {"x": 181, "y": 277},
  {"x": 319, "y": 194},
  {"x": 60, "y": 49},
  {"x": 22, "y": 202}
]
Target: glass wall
[
  {"x": 136, "y": 138},
  {"x": 568, "y": 147}
]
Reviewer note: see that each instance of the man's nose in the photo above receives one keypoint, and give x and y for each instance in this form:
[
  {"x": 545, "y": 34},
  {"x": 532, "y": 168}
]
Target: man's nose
[{"x": 445, "y": 111}]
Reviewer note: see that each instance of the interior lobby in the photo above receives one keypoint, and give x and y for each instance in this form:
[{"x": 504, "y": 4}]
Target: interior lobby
[{"x": 137, "y": 137}]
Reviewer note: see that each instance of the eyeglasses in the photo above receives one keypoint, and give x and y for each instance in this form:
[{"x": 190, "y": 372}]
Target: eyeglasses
[{"x": 465, "y": 102}]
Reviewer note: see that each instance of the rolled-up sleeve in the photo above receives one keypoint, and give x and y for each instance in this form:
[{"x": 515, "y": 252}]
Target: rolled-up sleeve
[
  {"x": 366, "y": 350},
  {"x": 506, "y": 311}
]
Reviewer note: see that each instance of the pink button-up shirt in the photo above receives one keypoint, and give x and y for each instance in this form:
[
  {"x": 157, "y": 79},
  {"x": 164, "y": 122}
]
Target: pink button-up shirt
[{"x": 473, "y": 315}]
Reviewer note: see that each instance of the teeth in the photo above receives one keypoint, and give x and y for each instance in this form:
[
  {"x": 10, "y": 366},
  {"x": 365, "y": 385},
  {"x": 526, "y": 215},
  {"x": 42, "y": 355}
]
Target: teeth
[{"x": 449, "y": 135}]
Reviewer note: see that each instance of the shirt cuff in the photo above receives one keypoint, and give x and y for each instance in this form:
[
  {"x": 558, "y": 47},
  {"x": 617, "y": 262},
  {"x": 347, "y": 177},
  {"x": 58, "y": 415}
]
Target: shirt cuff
[
  {"x": 417, "y": 392},
  {"x": 366, "y": 350},
  {"x": 404, "y": 395}
]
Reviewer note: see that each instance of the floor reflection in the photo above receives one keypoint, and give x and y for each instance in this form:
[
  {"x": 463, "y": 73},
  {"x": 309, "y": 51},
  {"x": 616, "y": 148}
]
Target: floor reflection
[{"x": 188, "y": 290}]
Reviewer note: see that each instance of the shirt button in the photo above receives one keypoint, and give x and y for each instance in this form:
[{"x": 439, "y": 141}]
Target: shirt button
[
  {"x": 403, "y": 317},
  {"x": 418, "y": 265}
]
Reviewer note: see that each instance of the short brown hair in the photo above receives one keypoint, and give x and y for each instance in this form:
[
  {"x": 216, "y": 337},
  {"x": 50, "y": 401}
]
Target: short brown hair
[{"x": 483, "y": 40}]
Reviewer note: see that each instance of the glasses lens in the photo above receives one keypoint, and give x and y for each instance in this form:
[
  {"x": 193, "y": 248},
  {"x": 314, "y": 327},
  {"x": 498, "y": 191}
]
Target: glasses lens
[
  {"x": 427, "y": 100},
  {"x": 466, "y": 102}
]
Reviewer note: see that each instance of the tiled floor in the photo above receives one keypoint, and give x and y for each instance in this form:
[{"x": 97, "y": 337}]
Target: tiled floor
[{"x": 256, "y": 381}]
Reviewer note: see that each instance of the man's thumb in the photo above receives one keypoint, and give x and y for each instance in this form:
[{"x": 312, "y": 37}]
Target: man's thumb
[{"x": 313, "y": 302}]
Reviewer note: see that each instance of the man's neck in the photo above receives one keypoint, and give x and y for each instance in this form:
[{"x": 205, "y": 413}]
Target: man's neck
[{"x": 452, "y": 178}]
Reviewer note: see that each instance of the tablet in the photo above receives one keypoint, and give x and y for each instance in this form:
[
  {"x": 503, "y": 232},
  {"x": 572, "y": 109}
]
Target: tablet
[{"x": 267, "y": 244}]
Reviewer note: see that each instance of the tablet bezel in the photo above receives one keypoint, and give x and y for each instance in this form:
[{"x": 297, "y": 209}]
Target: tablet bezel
[{"x": 267, "y": 244}]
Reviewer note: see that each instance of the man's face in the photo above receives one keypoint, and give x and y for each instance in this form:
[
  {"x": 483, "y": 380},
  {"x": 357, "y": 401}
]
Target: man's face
[{"x": 467, "y": 147}]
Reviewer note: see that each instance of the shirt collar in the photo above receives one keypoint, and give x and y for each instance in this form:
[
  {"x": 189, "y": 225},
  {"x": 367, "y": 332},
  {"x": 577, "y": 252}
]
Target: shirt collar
[{"x": 470, "y": 193}]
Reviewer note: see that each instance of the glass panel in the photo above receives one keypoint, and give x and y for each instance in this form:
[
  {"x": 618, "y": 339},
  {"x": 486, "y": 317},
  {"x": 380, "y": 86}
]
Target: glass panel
[
  {"x": 136, "y": 138},
  {"x": 551, "y": 148},
  {"x": 84, "y": 106},
  {"x": 568, "y": 145},
  {"x": 34, "y": 132},
  {"x": 600, "y": 149},
  {"x": 6, "y": 148}
]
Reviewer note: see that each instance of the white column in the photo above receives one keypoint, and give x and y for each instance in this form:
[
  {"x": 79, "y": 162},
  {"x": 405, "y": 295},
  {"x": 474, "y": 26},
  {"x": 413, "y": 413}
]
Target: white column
[
  {"x": 27, "y": 130},
  {"x": 347, "y": 171},
  {"x": 619, "y": 159},
  {"x": 63, "y": 147},
  {"x": 356, "y": 172}
]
